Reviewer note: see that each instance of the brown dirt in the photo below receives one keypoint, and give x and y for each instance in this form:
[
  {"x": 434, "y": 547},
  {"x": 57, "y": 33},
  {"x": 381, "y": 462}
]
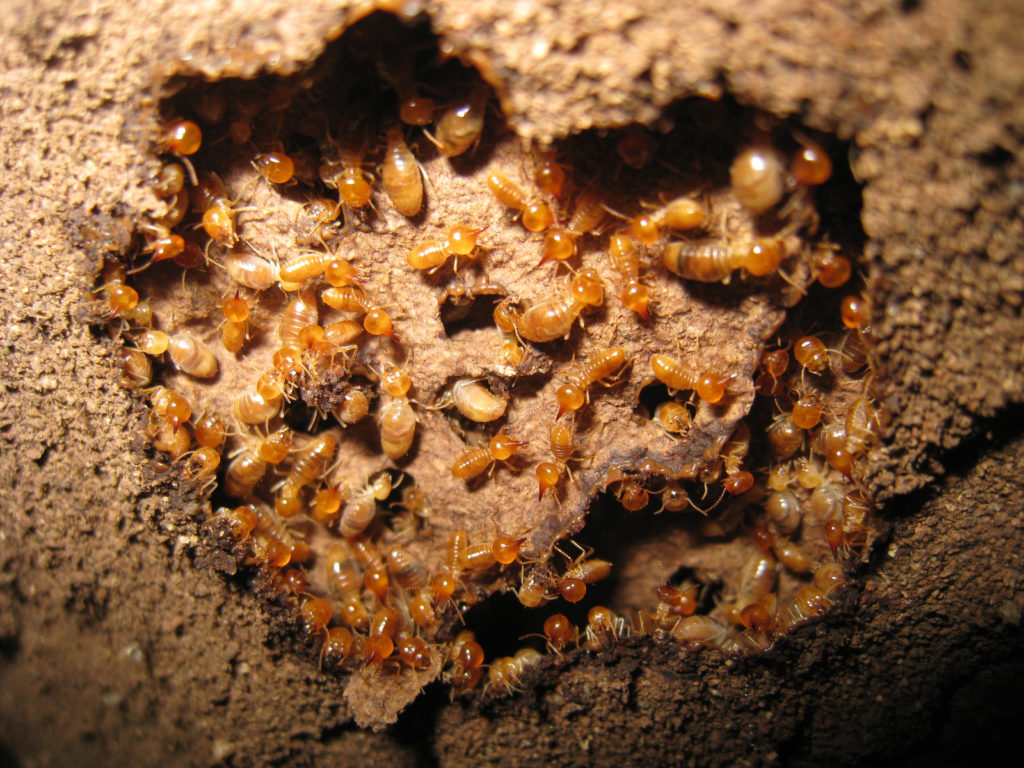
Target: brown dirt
[{"x": 114, "y": 647}]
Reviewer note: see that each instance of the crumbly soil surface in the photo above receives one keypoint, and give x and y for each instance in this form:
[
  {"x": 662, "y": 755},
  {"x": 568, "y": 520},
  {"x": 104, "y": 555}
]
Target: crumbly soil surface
[{"x": 114, "y": 647}]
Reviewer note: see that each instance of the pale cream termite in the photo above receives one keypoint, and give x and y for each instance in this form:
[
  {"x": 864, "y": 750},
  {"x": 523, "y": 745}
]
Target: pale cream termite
[{"x": 192, "y": 356}]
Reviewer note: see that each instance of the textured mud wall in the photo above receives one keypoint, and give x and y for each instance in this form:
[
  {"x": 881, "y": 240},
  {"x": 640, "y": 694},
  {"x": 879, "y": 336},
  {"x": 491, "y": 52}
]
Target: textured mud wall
[{"x": 114, "y": 648}]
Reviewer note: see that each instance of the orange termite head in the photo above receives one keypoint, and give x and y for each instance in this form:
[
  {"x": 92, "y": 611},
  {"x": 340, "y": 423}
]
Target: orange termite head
[
  {"x": 503, "y": 447},
  {"x": 547, "y": 477}
]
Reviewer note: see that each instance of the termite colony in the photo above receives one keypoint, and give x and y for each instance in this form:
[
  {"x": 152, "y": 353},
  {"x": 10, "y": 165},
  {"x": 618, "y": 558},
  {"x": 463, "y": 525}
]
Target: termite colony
[{"x": 373, "y": 368}]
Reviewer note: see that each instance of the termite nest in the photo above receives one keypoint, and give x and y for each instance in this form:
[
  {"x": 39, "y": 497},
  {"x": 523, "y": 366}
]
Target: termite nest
[{"x": 420, "y": 367}]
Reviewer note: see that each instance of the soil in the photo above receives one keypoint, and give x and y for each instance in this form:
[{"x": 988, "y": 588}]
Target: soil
[{"x": 115, "y": 647}]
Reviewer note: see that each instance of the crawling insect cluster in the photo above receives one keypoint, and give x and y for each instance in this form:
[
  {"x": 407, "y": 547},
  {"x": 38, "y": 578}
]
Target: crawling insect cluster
[{"x": 407, "y": 388}]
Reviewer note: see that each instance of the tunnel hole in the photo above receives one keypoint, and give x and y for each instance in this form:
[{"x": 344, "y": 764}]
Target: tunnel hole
[{"x": 463, "y": 316}]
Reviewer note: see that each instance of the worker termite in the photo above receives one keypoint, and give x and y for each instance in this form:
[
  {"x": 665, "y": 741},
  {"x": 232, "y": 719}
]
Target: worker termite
[
  {"x": 252, "y": 407},
  {"x": 783, "y": 512},
  {"x": 587, "y": 213},
  {"x": 508, "y": 192},
  {"x": 604, "y": 629},
  {"x": 383, "y": 629},
  {"x": 302, "y": 311},
  {"x": 401, "y": 175},
  {"x": 474, "y": 462},
  {"x": 181, "y": 137},
  {"x": 169, "y": 180},
  {"x": 862, "y": 426},
  {"x": 460, "y": 124},
  {"x": 349, "y": 298},
  {"x": 811, "y": 165},
  {"x": 421, "y": 610},
  {"x": 575, "y": 392},
  {"x": 772, "y": 367},
  {"x": 119, "y": 298},
  {"x": 572, "y": 585},
  {"x": 413, "y": 651},
  {"x": 559, "y": 632},
  {"x": 791, "y": 556},
  {"x": 549, "y": 176},
  {"x": 406, "y": 570},
  {"x": 756, "y": 579},
  {"x": 535, "y": 216},
  {"x": 738, "y": 483},
  {"x": 275, "y": 167},
  {"x": 681, "y": 213},
  {"x": 673, "y": 417},
  {"x": 210, "y": 197},
  {"x": 562, "y": 449},
  {"x": 378, "y": 583},
  {"x": 677, "y": 375},
  {"x": 551, "y": 319},
  {"x": 251, "y": 271},
  {"x": 696, "y": 632},
  {"x": 506, "y": 674},
  {"x": 316, "y": 613},
  {"x": 308, "y": 467},
  {"x": 274, "y": 448},
  {"x": 758, "y": 178},
  {"x": 235, "y": 524},
  {"x": 535, "y": 586},
  {"x": 807, "y": 410},
  {"x": 679, "y": 601},
  {"x": 634, "y": 295},
  {"x": 465, "y": 651},
  {"x": 136, "y": 369},
  {"x": 304, "y": 267},
  {"x": 192, "y": 356},
  {"x": 829, "y": 268},
  {"x": 673, "y": 499},
  {"x": 636, "y": 146},
  {"x": 712, "y": 261},
  {"x": 706, "y": 260},
  {"x": 474, "y": 401},
  {"x": 784, "y": 437},
  {"x": 141, "y": 316},
  {"x": 295, "y": 581},
  {"x": 244, "y": 472},
  {"x": 336, "y": 649},
  {"x": 468, "y": 658},
  {"x": 313, "y": 459},
  {"x": 319, "y": 221},
  {"x": 811, "y": 353},
  {"x": 345, "y": 580},
  {"x": 342, "y": 169},
  {"x": 854, "y": 351},
  {"x": 236, "y": 327},
  {"x": 809, "y": 603},
  {"x": 353, "y": 407},
  {"x": 459, "y": 240},
  {"x": 828, "y": 577},
  {"x": 326, "y": 505},
  {"x": 810, "y": 473},
  {"x": 361, "y": 508},
  {"x": 476, "y": 557},
  {"x": 735, "y": 449},
  {"x": 416, "y": 109},
  {"x": 170, "y": 438},
  {"x": 855, "y": 312},
  {"x": 397, "y": 419}
]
